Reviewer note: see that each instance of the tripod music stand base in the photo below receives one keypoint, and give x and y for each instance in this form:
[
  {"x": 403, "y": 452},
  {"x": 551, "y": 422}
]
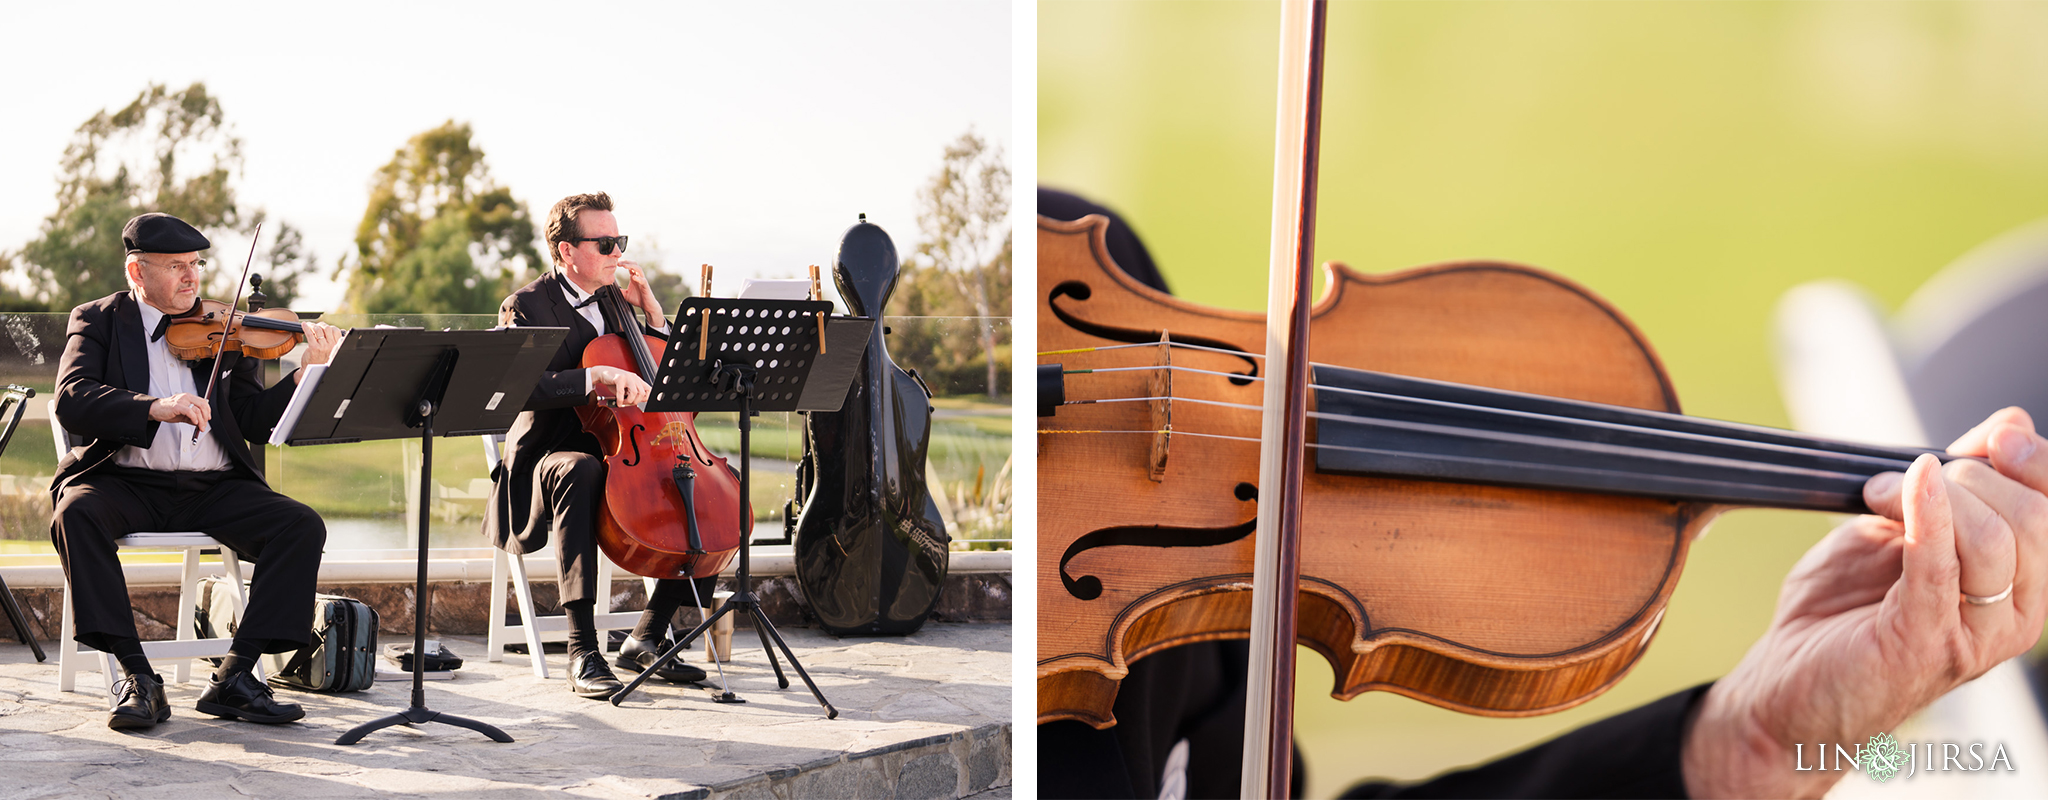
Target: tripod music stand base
[
  {"x": 748, "y": 604},
  {"x": 415, "y": 716}
]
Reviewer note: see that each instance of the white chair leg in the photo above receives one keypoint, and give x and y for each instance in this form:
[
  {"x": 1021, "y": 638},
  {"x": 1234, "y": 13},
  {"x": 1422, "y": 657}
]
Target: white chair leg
[
  {"x": 494, "y": 627},
  {"x": 108, "y": 666},
  {"x": 188, "y": 599},
  {"x": 524, "y": 589},
  {"x": 67, "y": 648},
  {"x": 604, "y": 594},
  {"x": 232, "y": 565}
]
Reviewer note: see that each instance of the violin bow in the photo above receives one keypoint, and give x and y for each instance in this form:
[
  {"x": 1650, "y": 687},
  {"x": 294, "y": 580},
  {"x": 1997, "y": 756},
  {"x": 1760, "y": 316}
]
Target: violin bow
[
  {"x": 213, "y": 373},
  {"x": 1276, "y": 566}
]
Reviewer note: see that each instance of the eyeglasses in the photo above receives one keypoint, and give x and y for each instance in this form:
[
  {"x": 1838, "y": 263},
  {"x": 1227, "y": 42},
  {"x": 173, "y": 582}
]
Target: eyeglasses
[
  {"x": 605, "y": 244},
  {"x": 197, "y": 265}
]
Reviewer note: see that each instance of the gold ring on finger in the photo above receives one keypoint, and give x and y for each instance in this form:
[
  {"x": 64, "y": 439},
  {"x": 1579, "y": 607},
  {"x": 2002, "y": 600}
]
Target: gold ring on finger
[{"x": 1985, "y": 601}]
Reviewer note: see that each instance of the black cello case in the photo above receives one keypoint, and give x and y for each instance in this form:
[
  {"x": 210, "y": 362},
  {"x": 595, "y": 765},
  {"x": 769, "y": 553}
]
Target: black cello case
[{"x": 871, "y": 549}]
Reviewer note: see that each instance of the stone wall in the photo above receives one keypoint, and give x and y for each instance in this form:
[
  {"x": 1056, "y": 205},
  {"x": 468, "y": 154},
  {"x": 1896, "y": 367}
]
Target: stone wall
[{"x": 461, "y": 608}]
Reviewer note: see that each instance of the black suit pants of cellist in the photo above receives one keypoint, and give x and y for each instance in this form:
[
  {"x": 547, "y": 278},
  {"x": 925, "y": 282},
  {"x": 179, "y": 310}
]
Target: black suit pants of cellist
[
  {"x": 571, "y": 484},
  {"x": 280, "y": 535}
]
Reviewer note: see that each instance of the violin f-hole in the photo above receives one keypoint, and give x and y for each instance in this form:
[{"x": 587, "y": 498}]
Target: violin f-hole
[
  {"x": 1089, "y": 587},
  {"x": 1080, "y": 291}
]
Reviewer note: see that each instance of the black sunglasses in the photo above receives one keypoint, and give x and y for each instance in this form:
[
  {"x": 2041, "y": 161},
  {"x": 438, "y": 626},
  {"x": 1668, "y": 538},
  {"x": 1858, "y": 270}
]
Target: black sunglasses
[{"x": 605, "y": 244}]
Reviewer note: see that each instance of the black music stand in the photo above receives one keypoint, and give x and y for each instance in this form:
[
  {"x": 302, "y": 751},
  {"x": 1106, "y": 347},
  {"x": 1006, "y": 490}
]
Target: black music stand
[
  {"x": 387, "y": 383},
  {"x": 15, "y": 399},
  {"x": 758, "y": 355}
]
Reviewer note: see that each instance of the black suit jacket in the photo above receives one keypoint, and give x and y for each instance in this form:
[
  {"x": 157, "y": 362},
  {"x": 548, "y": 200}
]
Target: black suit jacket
[
  {"x": 516, "y": 519},
  {"x": 103, "y": 385}
]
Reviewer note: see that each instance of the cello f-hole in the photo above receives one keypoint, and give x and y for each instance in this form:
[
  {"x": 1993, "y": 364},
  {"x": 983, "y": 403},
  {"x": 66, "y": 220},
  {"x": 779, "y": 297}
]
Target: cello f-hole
[{"x": 634, "y": 439}]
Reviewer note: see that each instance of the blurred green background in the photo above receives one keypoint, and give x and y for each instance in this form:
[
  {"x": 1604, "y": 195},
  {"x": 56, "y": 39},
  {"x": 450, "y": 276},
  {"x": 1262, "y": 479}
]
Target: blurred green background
[{"x": 1687, "y": 161}]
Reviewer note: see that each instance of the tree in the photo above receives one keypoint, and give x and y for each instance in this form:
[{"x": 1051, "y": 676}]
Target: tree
[
  {"x": 140, "y": 158},
  {"x": 964, "y": 216},
  {"x": 434, "y": 211},
  {"x": 287, "y": 262}
]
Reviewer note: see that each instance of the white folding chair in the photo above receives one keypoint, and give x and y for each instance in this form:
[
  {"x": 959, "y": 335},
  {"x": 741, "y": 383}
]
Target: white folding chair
[
  {"x": 535, "y": 629},
  {"x": 73, "y": 657}
]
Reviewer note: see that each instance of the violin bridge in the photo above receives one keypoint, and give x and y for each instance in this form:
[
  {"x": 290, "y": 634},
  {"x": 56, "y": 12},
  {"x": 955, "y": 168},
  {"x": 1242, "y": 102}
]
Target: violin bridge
[{"x": 1160, "y": 386}]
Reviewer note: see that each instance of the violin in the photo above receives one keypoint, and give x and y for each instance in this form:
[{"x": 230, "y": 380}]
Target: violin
[
  {"x": 266, "y": 333},
  {"x": 1467, "y": 483},
  {"x": 671, "y": 506}
]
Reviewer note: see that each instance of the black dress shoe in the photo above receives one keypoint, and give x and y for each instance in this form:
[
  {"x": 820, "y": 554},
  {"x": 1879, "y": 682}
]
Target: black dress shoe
[
  {"x": 240, "y": 696},
  {"x": 589, "y": 677},
  {"x": 138, "y": 703},
  {"x": 636, "y": 656}
]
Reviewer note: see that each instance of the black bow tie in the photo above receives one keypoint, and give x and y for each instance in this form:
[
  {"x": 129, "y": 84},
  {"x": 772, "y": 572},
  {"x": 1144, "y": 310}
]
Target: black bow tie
[
  {"x": 586, "y": 301},
  {"x": 163, "y": 323}
]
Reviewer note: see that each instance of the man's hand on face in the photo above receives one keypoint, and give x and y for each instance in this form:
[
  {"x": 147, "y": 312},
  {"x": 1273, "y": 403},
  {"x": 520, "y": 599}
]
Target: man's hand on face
[{"x": 638, "y": 293}]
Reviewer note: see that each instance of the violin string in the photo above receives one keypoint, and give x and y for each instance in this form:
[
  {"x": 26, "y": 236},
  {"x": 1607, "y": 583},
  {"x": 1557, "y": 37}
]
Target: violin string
[
  {"x": 1173, "y": 432},
  {"x": 1242, "y": 406},
  {"x": 1181, "y": 345},
  {"x": 1464, "y": 407},
  {"x": 1791, "y": 472},
  {"x": 1873, "y": 461},
  {"x": 1155, "y": 367}
]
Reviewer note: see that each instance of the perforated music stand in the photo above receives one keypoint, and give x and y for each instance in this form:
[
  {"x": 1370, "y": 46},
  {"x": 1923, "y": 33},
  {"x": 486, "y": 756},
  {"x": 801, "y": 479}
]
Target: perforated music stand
[
  {"x": 390, "y": 383},
  {"x": 754, "y": 355}
]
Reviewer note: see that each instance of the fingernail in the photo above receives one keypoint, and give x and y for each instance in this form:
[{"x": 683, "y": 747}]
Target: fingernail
[
  {"x": 2012, "y": 444},
  {"x": 1885, "y": 483}
]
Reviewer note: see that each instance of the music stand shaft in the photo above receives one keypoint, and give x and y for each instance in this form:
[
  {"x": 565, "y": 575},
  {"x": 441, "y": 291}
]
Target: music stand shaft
[{"x": 418, "y": 712}]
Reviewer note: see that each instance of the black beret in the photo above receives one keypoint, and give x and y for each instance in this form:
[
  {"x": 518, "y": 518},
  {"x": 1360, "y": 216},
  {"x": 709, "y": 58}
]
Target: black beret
[{"x": 157, "y": 232}]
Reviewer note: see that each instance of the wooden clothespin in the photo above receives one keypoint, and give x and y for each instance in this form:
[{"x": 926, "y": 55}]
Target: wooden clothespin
[
  {"x": 704, "y": 330},
  {"x": 818, "y": 293}
]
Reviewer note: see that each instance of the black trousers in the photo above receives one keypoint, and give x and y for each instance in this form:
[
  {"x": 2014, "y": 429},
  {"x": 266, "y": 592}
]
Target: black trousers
[
  {"x": 282, "y": 536},
  {"x": 573, "y": 483}
]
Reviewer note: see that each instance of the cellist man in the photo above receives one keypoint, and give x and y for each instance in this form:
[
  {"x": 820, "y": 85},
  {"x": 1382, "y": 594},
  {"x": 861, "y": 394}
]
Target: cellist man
[
  {"x": 551, "y": 482},
  {"x": 137, "y": 407}
]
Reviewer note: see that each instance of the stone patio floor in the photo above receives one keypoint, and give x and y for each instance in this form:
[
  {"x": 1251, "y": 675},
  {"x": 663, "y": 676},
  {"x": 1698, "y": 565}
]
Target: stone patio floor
[{"x": 926, "y": 715}]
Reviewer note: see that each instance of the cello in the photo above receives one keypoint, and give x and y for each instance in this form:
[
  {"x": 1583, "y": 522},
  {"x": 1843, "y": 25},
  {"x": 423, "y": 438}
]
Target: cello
[
  {"x": 1495, "y": 492},
  {"x": 670, "y": 504},
  {"x": 871, "y": 547}
]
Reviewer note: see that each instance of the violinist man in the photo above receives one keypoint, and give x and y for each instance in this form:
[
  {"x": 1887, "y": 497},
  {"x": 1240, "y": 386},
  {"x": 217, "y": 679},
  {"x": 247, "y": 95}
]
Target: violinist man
[
  {"x": 143, "y": 468},
  {"x": 1889, "y": 612},
  {"x": 551, "y": 483}
]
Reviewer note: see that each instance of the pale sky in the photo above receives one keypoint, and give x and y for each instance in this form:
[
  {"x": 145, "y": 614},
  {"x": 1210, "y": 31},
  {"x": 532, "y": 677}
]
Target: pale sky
[{"x": 743, "y": 134}]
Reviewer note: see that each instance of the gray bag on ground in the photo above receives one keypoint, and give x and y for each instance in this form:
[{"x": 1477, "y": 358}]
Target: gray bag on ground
[{"x": 342, "y": 656}]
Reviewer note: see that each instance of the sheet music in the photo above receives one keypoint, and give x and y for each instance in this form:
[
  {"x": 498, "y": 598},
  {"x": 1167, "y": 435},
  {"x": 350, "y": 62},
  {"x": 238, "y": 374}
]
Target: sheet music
[
  {"x": 775, "y": 289},
  {"x": 309, "y": 379}
]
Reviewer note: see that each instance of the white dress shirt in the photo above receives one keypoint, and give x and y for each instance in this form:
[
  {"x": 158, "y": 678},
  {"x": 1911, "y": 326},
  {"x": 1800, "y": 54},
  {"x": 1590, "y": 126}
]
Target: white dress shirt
[{"x": 173, "y": 449}]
